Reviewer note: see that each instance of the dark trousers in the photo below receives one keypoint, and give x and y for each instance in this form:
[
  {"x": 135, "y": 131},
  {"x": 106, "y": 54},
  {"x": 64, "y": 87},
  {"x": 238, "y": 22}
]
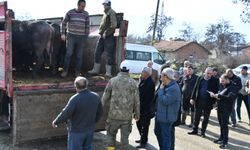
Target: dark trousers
[
  {"x": 107, "y": 45},
  {"x": 201, "y": 109},
  {"x": 233, "y": 113},
  {"x": 80, "y": 141},
  {"x": 186, "y": 106},
  {"x": 173, "y": 138},
  {"x": 239, "y": 101},
  {"x": 223, "y": 118},
  {"x": 142, "y": 126}
]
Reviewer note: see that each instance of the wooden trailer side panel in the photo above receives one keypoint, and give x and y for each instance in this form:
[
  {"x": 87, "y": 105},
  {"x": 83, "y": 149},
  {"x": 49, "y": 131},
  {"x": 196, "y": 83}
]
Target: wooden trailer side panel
[
  {"x": 34, "y": 110},
  {"x": 33, "y": 114}
]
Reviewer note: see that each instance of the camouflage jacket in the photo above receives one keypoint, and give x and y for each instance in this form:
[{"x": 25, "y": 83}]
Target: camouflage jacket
[
  {"x": 122, "y": 96},
  {"x": 108, "y": 23}
]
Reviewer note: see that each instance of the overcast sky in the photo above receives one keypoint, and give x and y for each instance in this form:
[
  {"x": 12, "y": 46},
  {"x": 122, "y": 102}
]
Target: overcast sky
[{"x": 198, "y": 13}]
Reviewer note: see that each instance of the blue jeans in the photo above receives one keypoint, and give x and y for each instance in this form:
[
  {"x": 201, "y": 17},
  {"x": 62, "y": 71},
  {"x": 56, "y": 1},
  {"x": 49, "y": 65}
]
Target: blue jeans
[
  {"x": 80, "y": 141},
  {"x": 74, "y": 42},
  {"x": 163, "y": 134}
]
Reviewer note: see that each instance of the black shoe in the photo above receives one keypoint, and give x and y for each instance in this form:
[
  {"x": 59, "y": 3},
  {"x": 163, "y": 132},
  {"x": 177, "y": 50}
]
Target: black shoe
[
  {"x": 141, "y": 146},
  {"x": 222, "y": 146},
  {"x": 193, "y": 132},
  {"x": 137, "y": 141},
  {"x": 218, "y": 141},
  {"x": 203, "y": 134}
]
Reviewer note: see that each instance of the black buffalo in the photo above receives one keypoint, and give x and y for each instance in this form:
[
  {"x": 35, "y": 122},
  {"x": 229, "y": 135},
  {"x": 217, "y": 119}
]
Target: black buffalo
[
  {"x": 59, "y": 47},
  {"x": 32, "y": 44}
]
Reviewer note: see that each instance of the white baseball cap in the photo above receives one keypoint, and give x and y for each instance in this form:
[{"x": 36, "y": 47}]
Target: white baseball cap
[
  {"x": 106, "y": 2},
  {"x": 124, "y": 66}
]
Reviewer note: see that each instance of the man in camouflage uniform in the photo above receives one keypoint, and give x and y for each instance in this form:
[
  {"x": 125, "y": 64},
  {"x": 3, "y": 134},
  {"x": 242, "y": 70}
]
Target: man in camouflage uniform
[
  {"x": 106, "y": 42},
  {"x": 122, "y": 96}
]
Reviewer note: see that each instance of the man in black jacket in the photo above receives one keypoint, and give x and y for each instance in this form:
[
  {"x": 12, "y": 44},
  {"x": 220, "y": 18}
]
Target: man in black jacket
[
  {"x": 81, "y": 113},
  {"x": 187, "y": 85},
  {"x": 225, "y": 98},
  {"x": 147, "y": 90},
  {"x": 236, "y": 82},
  {"x": 202, "y": 101}
]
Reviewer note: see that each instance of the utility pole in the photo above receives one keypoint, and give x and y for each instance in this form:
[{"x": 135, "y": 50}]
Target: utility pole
[{"x": 156, "y": 19}]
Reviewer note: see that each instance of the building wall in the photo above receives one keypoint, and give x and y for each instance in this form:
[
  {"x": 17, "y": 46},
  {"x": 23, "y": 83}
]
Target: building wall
[
  {"x": 192, "y": 52},
  {"x": 246, "y": 52}
]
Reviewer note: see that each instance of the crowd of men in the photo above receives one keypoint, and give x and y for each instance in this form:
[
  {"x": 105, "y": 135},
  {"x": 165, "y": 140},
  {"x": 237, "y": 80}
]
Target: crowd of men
[
  {"x": 207, "y": 92},
  {"x": 169, "y": 98}
]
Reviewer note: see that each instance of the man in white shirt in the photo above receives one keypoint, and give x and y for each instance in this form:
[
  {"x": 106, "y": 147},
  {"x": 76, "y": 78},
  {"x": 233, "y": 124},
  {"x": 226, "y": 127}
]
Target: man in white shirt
[{"x": 244, "y": 76}]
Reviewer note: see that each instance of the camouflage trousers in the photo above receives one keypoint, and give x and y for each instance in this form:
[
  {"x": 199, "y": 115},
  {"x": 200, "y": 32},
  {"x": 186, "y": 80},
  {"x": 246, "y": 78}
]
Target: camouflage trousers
[{"x": 112, "y": 127}]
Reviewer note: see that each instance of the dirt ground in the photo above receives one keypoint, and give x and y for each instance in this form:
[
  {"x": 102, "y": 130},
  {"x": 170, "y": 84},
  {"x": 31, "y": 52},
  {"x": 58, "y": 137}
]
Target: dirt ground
[{"x": 239, "y": 138}]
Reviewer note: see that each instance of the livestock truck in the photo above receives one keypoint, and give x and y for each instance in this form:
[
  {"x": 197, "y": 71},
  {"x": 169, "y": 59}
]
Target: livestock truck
[{"x": 35, "y": 102}]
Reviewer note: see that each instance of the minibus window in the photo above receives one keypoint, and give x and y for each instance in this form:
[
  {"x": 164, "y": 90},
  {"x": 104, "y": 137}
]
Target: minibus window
[
  {"x": 137, "y": 55},
  {"x": 157, "y": 58},
  {"x": 129, "y": 55},
  {"x": 143, "y": 56}
]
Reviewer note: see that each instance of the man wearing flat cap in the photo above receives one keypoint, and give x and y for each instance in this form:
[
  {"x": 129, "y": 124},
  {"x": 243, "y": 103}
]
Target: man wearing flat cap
[{"x": 146, "y": 92}]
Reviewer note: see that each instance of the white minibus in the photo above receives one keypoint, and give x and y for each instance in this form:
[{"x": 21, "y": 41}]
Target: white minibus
[{"x": 137, "y": 56}]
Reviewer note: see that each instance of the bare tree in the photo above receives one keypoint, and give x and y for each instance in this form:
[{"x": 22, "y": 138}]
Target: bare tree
[
  {"x": 188, "y": 33},
  {"x": 245, "y": 16},
  {"x": 24, "y": 16},
  {"x": 139, "y": 39},
  {"x": 221, "y": 36},
  {"x": 162, "y": 23}
]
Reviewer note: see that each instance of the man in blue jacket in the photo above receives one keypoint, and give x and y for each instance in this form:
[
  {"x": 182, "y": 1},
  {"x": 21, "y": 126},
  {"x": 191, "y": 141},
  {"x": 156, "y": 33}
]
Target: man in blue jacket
[
  {"x": 168, "y": 103},
  {"x": 81, "y": 113}
]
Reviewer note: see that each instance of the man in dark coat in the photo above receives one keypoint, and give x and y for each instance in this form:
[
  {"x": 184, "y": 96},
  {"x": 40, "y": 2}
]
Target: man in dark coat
[
  {"x": 146, "y": 89},
  {"x": 202, "y": 101},
  {"x": 187, "y": 85},
  {"x": 225, "y": 98},
  {"x": 236, "y": 82},
  {"x": 153, "y": 73}
]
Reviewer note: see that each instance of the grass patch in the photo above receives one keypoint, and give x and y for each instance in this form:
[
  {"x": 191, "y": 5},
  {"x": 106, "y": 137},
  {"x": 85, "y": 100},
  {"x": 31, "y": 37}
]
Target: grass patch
[{"x": 135, "y": 76}]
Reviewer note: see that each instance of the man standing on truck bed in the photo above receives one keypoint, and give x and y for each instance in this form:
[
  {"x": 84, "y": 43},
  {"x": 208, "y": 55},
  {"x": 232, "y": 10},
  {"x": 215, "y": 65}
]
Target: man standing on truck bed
[
  {"x": 81, "y": 113},
  {"x": 106, "y": 41},
  {"x": 122, "y": 96},
  {"x": 76, "y": 22}
]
